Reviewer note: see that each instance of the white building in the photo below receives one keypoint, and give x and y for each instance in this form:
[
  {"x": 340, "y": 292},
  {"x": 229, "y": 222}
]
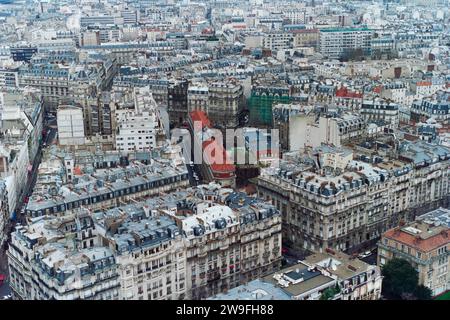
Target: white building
[
  {"x": 70, "y": 125},
  {"x": 379, "y": 109},
  {"x": 137, "y": 127},
  {"x": 336, "y": 42},
  {"x": 61, "y": 259},
  {"x": 4, "y": 211},
  {"x": 278, "y": 40},
  {"x": 20, "y": 134},
  {"x": 198, "y": 97},
  {"x": 305, "y": 132}
]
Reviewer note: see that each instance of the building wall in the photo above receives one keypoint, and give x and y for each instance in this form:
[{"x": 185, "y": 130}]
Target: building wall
[
  {"x": 314, "y": 223},
  {"x": 70, "y": 126},
  {"x": 433, "y": 266},
  {"x": 333, "y": 44},
  {"x": 158, "y": 273}
]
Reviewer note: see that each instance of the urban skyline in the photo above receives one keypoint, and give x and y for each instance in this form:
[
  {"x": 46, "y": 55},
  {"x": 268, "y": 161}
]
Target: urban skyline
[{"x": 224, "y": 150}]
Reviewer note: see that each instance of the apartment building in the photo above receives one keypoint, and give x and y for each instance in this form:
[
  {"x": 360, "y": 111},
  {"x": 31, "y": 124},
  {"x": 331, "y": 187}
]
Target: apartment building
[
  {"x": 148, "y": 250},
  {"x": 425, "y": 243},
  {"x": 138, "y": 125},
  {"x": 428, "y": 87},
  {"x": 63, "y": 82},
  {"x": 23, "y": 52},
  {"x": 225, "y": 103},
  {"x": 230, "y": 238},
  {"x": 356, "y": 279},
  {"x": 306, "y": 38},
  {"x": 59, "y": 259},
  {"x": 187, "y": 244},
  {"x": 105, "y": 186},
  {"x": 436, "y": 107},
  {"x": 380, "y": 110},
  {"x": 9, "y": 73},
  {"x": 345, "y": 277},
  {"x": 212, "y": 249},
  {"x": 347, "y": 99},
  {"x": 305, "y": 131},
  {"x": 296, "y": 15},
  {"x": 352, "y": 207},
  {"x": 297, "y": 282},
  {"x": 70, "y": 125},
  {"x": 336, "y": 43},
  {"x": 177, "y": 92},
  {"x": 98, "y": 115},
  {"x": 396, "y": 91},
  {"x": 4, "y": 211},
  {"x": 158, "y": 87},
  {"x": 198, "y": 97},
  {"x": 284, "y": 117},
  {"x": 52, "y": 80},
  {"x": 277, "y": 40},
  {"x": 21, "y": 114}
]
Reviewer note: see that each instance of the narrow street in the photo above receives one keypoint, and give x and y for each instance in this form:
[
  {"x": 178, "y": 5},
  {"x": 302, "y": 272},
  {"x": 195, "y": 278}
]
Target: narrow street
[{"x": 21, "y": 218}]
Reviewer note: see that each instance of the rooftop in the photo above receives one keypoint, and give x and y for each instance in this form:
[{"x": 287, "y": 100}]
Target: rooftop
[
  {"x": 420, "y": 235},
  {"x": 299, "y": 279},
  {"x": 254, "y": 290},
  {"x": 436, "y": 217},
  {"x": 338, "y": 263}
]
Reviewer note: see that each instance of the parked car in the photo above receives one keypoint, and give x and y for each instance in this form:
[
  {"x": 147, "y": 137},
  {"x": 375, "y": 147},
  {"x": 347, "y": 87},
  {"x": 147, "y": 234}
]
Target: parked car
[
  {"x": 365, "y": 254},
  {"x": 2, "y": 278}
]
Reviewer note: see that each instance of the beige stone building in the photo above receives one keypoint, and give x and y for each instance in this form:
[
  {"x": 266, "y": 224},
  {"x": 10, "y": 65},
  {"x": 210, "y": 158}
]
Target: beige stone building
[
  {"x": 425, "y": 243},
  {"x": 349, "y": 209}
]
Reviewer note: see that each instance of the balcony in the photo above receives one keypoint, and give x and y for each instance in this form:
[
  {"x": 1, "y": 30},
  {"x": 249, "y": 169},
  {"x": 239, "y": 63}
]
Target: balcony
[
  {"x": 213, "y": 276},
  {"x": 402, "y": 254},
  {"x": 202, "y": 251}
]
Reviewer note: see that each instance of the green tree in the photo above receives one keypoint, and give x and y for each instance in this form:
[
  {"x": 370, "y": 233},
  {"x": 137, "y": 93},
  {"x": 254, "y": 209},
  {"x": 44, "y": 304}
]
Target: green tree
[
  {"x": 400, "y": 281},
  {"x": 329, "y": 293},
  {"x": 423, "y": 293}
]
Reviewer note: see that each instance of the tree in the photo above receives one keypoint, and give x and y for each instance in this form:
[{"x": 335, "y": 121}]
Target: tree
[
  {"x": 329, "y": 293},
  {"x": 423, "y": 293},
  {"x": 400, "y": 281}
]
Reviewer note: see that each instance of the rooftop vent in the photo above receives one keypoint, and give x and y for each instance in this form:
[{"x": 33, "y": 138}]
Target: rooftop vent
[{"x": 352, "y": 267}]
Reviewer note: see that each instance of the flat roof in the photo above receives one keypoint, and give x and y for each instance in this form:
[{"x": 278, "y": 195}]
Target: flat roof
[{"x": 311, "y": 279}]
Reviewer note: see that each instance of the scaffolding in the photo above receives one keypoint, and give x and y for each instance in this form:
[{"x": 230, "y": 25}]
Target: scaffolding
[{"x": 260, "y": 107}]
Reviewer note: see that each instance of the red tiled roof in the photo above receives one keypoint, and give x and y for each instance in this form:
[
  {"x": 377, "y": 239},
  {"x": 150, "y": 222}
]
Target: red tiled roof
[
  {"x": 221, "y": 163},
  {"x": 423, "y": 83},
  {"x": 77, "y": 171},
  {"x": 345, "y": 93},
  {"x": 377, "y": 89},
  {"x": 424, "y": 245},
  {"x": 224, "y": 162}
]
